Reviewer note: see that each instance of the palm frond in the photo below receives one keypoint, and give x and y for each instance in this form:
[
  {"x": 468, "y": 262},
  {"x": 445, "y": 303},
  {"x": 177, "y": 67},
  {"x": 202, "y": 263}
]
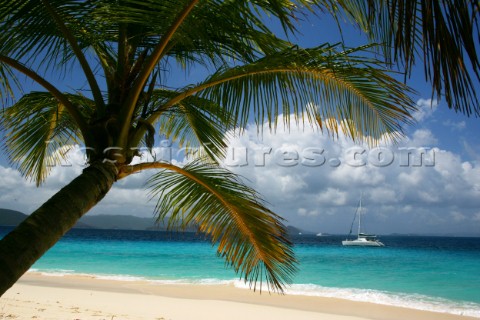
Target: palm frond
[
  {"x": 444, "y": 35},
  {"x": 352, "y": 89},
  {"x": 250, "y": 237},
  {"x": 30, "y": 33},
  {"x": 69, "y": 35},
  {"x": 222, "y": 31},
  {"x": 214, "y": 32},
  {"x": 9, "y": 83},
  {"x": 51, "y": 34},
  {"x": 38, "y": 133},
  {"x": 196, "y": 124}
]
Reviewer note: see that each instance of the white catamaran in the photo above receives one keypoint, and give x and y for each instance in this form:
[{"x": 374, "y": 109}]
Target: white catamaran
[{"x": 363, "y": 239}]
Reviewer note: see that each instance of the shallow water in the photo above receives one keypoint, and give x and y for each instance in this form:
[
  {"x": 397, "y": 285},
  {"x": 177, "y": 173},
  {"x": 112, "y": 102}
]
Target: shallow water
[{"x": 429, "y": 273}]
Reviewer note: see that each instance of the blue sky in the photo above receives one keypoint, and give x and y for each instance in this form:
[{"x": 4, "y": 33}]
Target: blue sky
[{"x": 443, "y": 198}]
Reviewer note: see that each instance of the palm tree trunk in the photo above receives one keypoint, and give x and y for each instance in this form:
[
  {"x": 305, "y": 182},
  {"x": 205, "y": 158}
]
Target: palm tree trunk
[{"x": 43, "y": 228}]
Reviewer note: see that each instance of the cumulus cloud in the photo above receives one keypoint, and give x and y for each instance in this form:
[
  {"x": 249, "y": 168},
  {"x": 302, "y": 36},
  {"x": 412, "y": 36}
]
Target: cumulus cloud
[
  {"x": 458, "y": 216},
  {"x": 128, "y": 196},
  {"x": 312, "y": 181},
  {"x": 426, "y": 107},
  {"x": 455, "y": 125},
  {"x": 421, "y": 138},
  {"x": 472, "y": 150},
  {"x": 409, "y": 187},
  {"x": 476, "y": 217},
  {"x": 332, "y": 197}
]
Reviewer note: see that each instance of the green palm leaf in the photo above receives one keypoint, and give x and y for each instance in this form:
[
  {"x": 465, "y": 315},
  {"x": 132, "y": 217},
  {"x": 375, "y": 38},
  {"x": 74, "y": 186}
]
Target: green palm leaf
[
  {"x": 230, "y": 23},
  {"x": 250, "y": 237},
  {"x": 351, "y": 89},
  {"x": 199, "y": 125},
  {"x": 443, "y": 35},
  {"x": 8, "y": 84},
  {"x": 39, "y": 132},
  {"x": 29, "y": 32}
]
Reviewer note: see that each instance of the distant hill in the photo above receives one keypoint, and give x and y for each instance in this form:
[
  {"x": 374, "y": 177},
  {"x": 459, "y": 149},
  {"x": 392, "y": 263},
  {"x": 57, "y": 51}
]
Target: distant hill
[
  {"x": 13, "y": 218},
  {"x": 105, "y": 221},
  {"x": 127, "y": 222},
  {"x": 291, "y": 230}
]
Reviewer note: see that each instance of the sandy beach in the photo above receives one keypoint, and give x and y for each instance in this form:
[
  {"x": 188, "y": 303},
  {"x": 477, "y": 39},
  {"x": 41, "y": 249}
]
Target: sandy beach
[{"x": 38, "y": 296}]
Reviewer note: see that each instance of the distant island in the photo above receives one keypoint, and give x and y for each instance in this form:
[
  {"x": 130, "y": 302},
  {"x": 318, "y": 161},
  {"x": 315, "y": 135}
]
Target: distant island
[
  {"x": 11, "y": 217},
  {"x": 128, "y": 222},
  {"x": 122, "y": 222},
  {"x": 104, "y": 221}
]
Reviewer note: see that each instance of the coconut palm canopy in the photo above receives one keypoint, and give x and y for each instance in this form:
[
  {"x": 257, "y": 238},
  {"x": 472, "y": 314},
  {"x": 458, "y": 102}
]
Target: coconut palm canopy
[{"x": 124, "y": 48}]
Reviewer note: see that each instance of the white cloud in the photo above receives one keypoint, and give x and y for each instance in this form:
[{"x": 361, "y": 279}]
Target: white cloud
[
  {"x": 384, "y": 195},
  {"x": 458, "y": 216},
  {"x": 426, "y": 107},
  {"x": 472, "y": 150},
  {"x": 305, "y": 212},
  {"x": 411, "y": 179},
  {"x": 428, "y": 188},
  {"x": 422, "y": 138},
  {"x": 455, "y": 126},
  {"x": 332, "y": 197},
  {"x": 128, "y": 196},
  {"x": 316, "y": 186},
  {"x": 363, "y": 176},
  {"x": 476, "y": 217}
]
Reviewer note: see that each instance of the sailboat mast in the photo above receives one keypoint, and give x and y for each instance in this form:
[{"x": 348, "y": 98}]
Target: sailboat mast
[{"x": 359, "y": 214}]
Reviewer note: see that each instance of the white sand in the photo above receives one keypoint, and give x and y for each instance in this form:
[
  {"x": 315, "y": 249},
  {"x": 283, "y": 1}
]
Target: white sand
[{"x": 77, "y": 297}]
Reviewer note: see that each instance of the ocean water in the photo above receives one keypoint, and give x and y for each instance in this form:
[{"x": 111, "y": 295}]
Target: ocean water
[{"x": 428, "y": 273}]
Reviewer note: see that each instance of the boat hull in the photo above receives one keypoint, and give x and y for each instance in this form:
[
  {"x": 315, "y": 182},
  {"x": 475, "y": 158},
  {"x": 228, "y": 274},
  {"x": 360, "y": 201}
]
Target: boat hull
[{"x": 362, "y": 243}]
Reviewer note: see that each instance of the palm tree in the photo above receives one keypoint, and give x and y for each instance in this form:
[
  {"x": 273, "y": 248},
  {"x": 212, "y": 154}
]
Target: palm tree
[{"x": 124, "y": 47}]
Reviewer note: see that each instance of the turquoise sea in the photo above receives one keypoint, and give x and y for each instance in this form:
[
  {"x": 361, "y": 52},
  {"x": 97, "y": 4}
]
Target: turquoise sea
[{"x": 428, "y": 273}]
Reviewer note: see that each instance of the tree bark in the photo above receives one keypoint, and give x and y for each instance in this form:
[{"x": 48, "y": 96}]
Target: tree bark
[{"x": 43, "y": 228}]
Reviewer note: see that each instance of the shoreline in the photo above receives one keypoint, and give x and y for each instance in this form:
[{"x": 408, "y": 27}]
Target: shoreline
[
  {"x": 58, "y": 297},
  {"x": 401, "y": 300}
]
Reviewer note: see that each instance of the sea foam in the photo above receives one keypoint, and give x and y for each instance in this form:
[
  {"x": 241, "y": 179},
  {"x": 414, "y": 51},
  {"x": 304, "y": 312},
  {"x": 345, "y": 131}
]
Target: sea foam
[{"x": 412, "y": 301}]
